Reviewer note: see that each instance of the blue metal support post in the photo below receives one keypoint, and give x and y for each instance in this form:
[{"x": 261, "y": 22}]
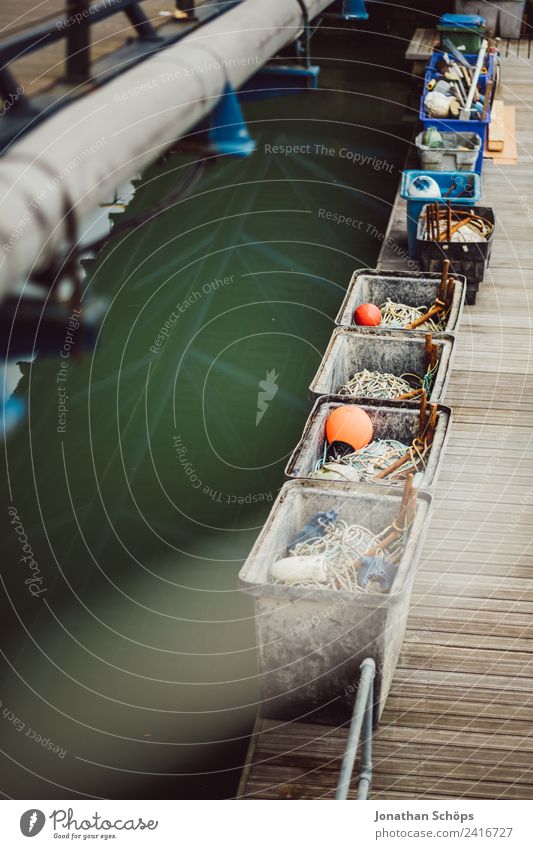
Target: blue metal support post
[
  {"x": 227, "y": 131},
  {"x": 354, "y": 10}
]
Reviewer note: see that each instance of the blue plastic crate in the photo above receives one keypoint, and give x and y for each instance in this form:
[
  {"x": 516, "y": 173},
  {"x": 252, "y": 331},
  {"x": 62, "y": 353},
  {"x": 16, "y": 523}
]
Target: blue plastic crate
[
  {"x": 467, "y": 21},
  {"x": 465, "y": 181},
  {"x": 456, "y": 125},
  {"x": 490, "y": 64}
]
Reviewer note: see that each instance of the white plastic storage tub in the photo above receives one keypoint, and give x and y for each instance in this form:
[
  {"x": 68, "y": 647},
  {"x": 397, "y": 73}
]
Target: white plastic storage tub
[
  {"x": 390, "y": 420},
  {"x": 398, "y": 352},
  {"x": 311, "y": 642},
  {"x": 414, "y": 288}
]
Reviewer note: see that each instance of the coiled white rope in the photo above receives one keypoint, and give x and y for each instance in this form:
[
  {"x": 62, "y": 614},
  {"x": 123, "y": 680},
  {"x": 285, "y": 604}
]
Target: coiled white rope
[
  {"x": 367, "y": 462},
  {"x": 340, "y": 547},
  {"x": 398, "y": 315}
]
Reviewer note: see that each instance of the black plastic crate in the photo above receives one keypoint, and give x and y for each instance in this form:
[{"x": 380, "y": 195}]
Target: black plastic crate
[{"x": 468, "y": 258}]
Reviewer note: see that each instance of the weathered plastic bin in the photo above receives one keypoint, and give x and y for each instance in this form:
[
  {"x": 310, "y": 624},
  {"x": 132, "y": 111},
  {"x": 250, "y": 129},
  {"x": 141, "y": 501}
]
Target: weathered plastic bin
[
  {"x": 502, "y": 17},
  {"x": 466, "y": 258},
  {"x": 450, "y": 157},
  {"x": 400, "y": 351},
  {"x": 390, "y": 420},
  {"x": 311, "y": 642},
  {"x": 414, "y": 288}
]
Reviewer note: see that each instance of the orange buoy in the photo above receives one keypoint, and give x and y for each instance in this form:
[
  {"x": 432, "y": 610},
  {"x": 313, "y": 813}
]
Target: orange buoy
[
  {"x": 367, "y": 315},
  {"x": 349, "y": 424}
]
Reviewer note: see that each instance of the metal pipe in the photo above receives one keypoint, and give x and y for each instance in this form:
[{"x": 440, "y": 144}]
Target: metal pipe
[
  {"x": 477, "y": 71},
  {"x": 78, "y": 43},
  {"x": 80, "y": 155},
  {"x": 365, "y": 768},
  {"x": 186, "y": 8},
  {"x": 361, "y": 718},
  {"x": 143, "y": 27}
]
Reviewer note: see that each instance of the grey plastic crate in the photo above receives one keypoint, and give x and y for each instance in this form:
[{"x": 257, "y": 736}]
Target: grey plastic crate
[
  {"x": 398, "y": 352},
  {"x": 311, "y": 642},
  {"x": 414, "y": 288},
  {"x": 390, "y": 420},
  {"x": 450, "y": 157},
  {"x": 502, "y": 17}
]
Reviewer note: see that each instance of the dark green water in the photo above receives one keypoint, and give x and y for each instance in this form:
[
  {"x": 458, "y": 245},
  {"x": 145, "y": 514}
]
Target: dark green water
[{"x": 138, "y": 661}]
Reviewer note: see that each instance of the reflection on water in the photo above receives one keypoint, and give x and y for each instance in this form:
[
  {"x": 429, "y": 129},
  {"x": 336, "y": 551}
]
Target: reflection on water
[{"x": 137, "y": 660}]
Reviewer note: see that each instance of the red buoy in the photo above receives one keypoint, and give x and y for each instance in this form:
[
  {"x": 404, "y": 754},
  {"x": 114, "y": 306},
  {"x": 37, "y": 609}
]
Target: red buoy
[
  {"x": 367, "y": 315},
  {"x": 349, "y": 424}
]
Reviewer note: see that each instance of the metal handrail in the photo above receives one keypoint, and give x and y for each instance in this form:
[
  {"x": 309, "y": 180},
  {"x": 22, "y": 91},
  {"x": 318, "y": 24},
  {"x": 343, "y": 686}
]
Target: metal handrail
[
  {"x": 59, "y": 27},
  {"x": 361, "y": 724},
  {"x": 74, "y": 28}
]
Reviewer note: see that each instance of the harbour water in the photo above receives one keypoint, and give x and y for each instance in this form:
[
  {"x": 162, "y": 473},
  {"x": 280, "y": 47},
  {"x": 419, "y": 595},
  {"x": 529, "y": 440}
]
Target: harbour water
[{"x": 146, "y": 468}]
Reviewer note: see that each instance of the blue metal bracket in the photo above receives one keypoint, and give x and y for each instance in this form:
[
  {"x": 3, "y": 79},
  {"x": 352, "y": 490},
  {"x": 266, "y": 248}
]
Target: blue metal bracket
[
  {"x": 12, "y": 412},
  {"x": 275, "y": 80},
  {"x": 354, "y": 10},
  {"x": 226, "y": 128}
]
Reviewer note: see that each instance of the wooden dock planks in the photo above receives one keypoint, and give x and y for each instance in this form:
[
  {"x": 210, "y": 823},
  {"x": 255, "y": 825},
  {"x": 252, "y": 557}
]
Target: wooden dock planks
[
  {"x": 458, "y": 721},
  {"x": 496, "y": 132},
  {"x": 37, "y": 71},
  {"x": 421, "y": 46}
]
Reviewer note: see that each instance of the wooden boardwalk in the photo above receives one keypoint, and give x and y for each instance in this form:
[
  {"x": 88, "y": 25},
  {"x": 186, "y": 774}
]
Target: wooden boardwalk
[
  {"x": 39, "y": 70},
  {"x": 420, "y": 47},
  {"x": 458, "y": 721}
]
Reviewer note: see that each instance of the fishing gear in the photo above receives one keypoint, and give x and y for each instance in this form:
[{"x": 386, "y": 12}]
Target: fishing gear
[
  {"x": 349, "y": 425},
  {"x": 364, "y": 464},
  {"x": 456, "y": 53},
  {"x": 313, "y": 528},
  {"x": 367, "y": 315},
  {"x": 444, "y": 224},
  {"x": 419, "y": 448},
  {"x": 383, "y": 460},
  {"x": 339, "y": 547},
  {"x": 379, "y": 570},
  {"x": 399, "y": 316},
  {"x": 349, "y": 557},
  {"x": 377, "y": 384},
  {"x": 443, "y": 301}
]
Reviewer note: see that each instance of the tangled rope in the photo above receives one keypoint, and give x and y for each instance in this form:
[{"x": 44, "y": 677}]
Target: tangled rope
[
  {"x": 444, "y": 224},
  {"x": 376, "y": 384},
  {"x": 427, "y": 381},
  {"x": 467, "y": 231},
  {"x": 367, "y": 462},
  {"x": 341, "y": 546},
  {"x": 329, "y": 553},
  {"x": 398, "y": 315}
]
